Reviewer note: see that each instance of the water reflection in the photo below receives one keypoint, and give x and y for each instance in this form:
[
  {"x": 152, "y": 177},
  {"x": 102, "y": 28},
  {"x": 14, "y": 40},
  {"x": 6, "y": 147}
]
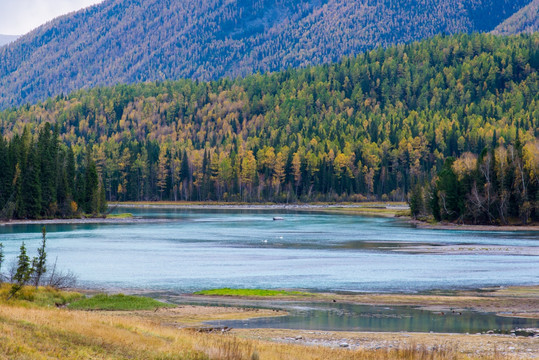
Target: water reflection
[{"x": 349, "y": 317}]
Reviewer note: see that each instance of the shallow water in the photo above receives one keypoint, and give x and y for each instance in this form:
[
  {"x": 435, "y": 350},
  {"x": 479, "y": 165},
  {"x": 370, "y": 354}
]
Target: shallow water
[
  {"x": 200, "y": 249},
  {"x": 337, "y": 316},
  {"x": 349, "y": 317}
]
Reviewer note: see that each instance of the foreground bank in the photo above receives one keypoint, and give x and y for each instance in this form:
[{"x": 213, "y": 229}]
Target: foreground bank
[{"x": 29, "y": 331}]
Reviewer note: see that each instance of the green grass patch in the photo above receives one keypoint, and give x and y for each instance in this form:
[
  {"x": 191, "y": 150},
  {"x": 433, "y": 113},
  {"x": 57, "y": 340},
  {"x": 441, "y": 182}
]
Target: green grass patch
[
  {"x": 250, "y": 292},
  {"x": 120, "y": 216},
  {"x": 117, "y": 302}
]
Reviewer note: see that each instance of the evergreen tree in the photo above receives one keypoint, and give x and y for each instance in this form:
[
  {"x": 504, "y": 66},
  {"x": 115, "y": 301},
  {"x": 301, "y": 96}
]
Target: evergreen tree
[
  {"x": 39, "y": 263},
  {"x": 91, "y": 183},
  {"x": 434, "y": 204},
  {"x": 102, "y": 199},
  {"x": 416, "y": 201},
  {"x": 23, "y": 273},
  {"x": 70, "y": 172},
  {"x": 29, "y": 204},
  {"x": 62, "y": 186},
  {"x": 448, "y": 188},
  {"x": 46, "y": 153}
]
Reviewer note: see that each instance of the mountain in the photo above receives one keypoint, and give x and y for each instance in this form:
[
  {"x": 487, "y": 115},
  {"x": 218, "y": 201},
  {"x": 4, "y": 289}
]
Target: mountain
[
  {"x": 525, "y": 20},
  {"x": 370, "y": 126},
  {"x": 6, "y": 39},
  {"x": 127, "y": 41}
]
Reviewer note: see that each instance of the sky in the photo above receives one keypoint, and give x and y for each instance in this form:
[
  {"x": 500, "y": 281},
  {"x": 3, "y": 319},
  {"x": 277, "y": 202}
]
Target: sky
[{"x": 17, "y": 17}]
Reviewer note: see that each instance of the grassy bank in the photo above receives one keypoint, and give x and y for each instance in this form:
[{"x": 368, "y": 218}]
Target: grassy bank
[
  {"x": 388, "y": 209},
  {"x": 120, "y": 216},
  {"x": 44, "y": 333},
  {"x": 32, "y": 326}
]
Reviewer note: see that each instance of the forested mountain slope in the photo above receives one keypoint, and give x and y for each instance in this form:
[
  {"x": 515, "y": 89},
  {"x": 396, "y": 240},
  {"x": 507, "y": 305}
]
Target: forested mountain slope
[
  {"x": 525, "y": 20},
  {"x": 371, "y": 126},
  {"x": 127, "y": 41}
]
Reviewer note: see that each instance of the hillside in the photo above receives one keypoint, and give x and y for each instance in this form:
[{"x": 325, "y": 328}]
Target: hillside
[
  {"x": 525, "y": 20},
  {"x": 6, "y": 39},
  {"x": 372, "y": 127},
  {"x": 128, "y": 41}
]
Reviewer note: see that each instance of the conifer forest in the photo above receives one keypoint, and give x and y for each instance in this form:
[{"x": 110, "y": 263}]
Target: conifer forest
[{"x": 450, "y": 124}]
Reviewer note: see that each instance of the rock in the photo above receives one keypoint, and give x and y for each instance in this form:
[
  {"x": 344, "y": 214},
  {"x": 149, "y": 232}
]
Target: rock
[{"x": 344, "y": 345}]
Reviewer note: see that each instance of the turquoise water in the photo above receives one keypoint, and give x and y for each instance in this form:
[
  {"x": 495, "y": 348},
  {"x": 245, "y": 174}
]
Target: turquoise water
[{"x": 188, "y": 250}]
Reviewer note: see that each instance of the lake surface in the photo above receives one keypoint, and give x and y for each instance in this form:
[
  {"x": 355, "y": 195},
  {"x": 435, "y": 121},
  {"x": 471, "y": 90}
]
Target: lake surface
[{"x": 187, "y": 250}]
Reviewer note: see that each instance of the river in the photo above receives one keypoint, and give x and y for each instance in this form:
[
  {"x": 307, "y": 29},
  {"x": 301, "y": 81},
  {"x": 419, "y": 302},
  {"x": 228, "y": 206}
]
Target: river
[{"x": 184, "y": 250}]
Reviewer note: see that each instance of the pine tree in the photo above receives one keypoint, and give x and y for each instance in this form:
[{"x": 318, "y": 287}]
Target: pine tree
[
  {"x": 91, "y": 183},
  {"x": 416, "y": 201},
  {"x": 31, "y": 187},
  {"x": 102, "y": 199},
  {"x": 448, "y": 186},
  {"x": 434, "y": 204},
  {"x": 23, "y": 273},
  {"x": 62, "y": 186},
  {"x": 39, "y": 263},
  {"x": 70, "y": 173},
  {"x": 46, "y": 153}
]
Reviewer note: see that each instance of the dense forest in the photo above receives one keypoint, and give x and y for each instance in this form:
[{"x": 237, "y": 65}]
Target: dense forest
[
  {"x": 525, "y": 20},
  {"x": 129, "y": 41},
  {"x": 498, "y": 186},
  {"x": 375, "y": 126},
  {"x": 40, "y": 179}
]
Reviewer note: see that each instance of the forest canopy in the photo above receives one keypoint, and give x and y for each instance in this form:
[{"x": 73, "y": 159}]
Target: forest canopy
[{"x": 368, "y": 127}]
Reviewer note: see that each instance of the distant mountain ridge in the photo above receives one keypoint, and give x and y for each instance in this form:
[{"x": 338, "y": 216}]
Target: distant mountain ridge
[
  {"x": 526, "y": 20},
  {"x": 127, "y": 41},
  {"x": 6, "y": 39}
]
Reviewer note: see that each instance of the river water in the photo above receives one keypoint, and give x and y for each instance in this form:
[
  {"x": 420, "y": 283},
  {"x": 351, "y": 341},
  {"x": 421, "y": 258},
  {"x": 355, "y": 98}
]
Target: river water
[{"x": 180, "y": 250}]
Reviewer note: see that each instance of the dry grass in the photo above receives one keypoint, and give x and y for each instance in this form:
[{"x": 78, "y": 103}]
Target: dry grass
[
  {"x": 29, "y": 296},
  {"x": 50, "y": 333},
  {"x": 32, "y": 327}
]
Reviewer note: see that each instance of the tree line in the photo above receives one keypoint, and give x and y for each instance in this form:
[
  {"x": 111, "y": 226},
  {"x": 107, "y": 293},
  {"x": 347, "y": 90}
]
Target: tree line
[
  {"x": 41, "y": 179},
  {"x": 372, "y": 126}
]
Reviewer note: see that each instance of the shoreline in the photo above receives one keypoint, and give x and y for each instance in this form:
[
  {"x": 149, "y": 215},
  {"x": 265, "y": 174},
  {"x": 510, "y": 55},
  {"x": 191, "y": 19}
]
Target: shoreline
[
  {"x": 517, "y": 301},
  {"x": 395, "y": 210},
  {"x": 131, "y": 220},
  {"x": 159, "y": 333},
  {"x": 512, "y": 301},
  {"x": 464, "y": 227},
  {"x": 191, "y": 326}
]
